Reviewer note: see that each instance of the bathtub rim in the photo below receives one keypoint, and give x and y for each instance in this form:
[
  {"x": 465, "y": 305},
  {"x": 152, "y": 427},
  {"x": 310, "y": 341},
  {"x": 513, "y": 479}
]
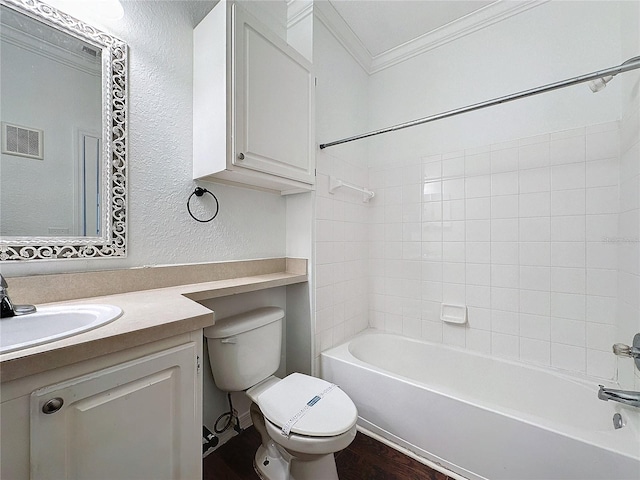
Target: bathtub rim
[{"x": 342, "y": 353}]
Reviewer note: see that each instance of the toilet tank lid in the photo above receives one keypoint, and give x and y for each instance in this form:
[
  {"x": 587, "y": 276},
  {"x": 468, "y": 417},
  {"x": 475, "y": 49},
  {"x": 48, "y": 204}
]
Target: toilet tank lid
[{"x": 243, "y": 322}]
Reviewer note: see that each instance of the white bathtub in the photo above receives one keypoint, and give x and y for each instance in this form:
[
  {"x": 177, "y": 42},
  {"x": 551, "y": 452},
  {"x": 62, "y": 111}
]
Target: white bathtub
[{"x": 484, "y": 418}]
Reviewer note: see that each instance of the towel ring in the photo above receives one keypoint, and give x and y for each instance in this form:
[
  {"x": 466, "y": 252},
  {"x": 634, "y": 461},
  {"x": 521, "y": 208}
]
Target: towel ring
[{"x": 198, "y": 192}]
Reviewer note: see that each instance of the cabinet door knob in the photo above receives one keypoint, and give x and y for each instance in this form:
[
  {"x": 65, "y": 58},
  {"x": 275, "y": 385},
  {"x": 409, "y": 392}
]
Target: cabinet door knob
[
  {"x": 52, "y": 406},
  {"x": 241, "y": 156}
]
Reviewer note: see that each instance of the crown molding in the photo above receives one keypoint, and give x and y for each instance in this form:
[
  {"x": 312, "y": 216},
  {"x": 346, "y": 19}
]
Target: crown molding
[
  {"x": 298, "y": 10},
  {"x": 330, "y": 18},
  {"x": 481, "y": 18}
]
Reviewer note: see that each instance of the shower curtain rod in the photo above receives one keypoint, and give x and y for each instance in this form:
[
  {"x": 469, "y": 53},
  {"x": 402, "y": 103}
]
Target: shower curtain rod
[{"x": 631, "y": 64}]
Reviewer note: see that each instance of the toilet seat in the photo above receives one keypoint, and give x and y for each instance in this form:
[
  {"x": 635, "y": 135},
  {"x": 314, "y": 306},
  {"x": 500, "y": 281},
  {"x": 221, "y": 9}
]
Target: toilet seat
[
  {"x": 299, "y": 395},
  {"x": 310, "y": 445}
]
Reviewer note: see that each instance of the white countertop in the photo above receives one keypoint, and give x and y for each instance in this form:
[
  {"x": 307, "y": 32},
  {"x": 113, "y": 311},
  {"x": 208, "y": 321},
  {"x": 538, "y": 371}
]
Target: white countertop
[{"x": 148, "y": 315}]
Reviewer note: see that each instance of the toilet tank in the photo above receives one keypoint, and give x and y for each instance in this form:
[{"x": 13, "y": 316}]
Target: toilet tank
[{"x": 244, "y": 349}]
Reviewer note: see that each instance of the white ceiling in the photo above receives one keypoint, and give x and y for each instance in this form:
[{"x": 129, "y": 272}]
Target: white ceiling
[{"x": 384, "y": 25}]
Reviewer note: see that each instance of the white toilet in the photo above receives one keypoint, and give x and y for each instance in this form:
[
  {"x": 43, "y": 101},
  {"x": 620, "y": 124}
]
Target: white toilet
[{"x": 302, "y": 420}]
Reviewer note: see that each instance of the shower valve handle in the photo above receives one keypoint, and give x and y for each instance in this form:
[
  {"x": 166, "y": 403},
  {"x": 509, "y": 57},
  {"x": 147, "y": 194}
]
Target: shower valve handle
[{"x": 633, "y": 351}]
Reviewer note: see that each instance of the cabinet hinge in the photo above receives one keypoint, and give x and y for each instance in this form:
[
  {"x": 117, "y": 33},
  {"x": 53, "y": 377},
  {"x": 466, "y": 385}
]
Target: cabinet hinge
[{"x": 198, "y": 366}]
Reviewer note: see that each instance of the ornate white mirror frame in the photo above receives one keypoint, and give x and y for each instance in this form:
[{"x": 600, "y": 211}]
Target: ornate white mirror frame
[{"x": 112, "y": 241}]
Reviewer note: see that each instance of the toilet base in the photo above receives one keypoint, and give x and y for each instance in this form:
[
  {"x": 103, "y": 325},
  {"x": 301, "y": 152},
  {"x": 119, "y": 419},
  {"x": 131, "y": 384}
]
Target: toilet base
[{"x": 270, "y": 467}]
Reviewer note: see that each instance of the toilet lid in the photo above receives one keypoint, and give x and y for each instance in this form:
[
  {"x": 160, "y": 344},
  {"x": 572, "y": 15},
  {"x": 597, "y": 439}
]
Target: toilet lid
[{"x": 333, "y": 413}]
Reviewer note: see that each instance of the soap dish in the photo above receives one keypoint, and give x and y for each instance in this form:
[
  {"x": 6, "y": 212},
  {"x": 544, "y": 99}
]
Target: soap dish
[{"x": 453, "y": 313}]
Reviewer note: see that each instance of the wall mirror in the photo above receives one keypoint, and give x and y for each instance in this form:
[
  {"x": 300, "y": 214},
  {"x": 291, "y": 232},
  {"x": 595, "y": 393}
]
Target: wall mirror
[{"x": 63, "y": 109}]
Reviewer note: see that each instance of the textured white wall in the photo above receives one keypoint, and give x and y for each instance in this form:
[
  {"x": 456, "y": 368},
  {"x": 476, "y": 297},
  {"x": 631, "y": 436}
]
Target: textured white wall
[{"x": 251, "y": 224}]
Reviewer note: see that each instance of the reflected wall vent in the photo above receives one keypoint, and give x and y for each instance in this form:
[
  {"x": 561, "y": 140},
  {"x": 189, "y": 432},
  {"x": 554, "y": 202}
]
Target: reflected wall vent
[{"x": 22, "y": 141}]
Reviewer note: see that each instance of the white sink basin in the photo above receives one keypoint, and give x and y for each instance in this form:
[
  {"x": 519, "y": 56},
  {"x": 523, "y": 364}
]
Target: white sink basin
[{"x": 53, "y": 323}]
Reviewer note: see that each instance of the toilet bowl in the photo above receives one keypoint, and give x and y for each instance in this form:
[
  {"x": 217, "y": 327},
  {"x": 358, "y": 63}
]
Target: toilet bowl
[{"x": 302, "y": 420}]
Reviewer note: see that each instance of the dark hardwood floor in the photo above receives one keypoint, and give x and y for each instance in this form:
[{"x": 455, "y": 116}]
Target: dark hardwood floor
[{"x": 364, "y": 459}]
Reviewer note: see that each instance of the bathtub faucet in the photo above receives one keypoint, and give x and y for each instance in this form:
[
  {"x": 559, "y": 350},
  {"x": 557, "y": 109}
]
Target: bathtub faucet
[{"x": 623, "y": 396}]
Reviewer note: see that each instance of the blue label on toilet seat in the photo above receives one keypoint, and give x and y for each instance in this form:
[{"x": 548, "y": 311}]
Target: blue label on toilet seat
[{"x": 313, "y": 401}]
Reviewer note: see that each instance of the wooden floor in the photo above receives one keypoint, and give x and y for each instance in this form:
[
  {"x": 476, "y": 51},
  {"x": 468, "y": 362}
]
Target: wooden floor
[{"x": 364, "y": 459}]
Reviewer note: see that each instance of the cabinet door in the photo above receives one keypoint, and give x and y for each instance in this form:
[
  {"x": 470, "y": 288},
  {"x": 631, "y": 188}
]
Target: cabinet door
[
  {"x": 273, "y": 99},
  {"x": 136, "y": 420}
]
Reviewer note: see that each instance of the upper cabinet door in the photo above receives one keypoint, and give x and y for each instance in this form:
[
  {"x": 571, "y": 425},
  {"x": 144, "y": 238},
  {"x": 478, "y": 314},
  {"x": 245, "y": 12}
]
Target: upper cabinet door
[{"x": 273, "y": 103}]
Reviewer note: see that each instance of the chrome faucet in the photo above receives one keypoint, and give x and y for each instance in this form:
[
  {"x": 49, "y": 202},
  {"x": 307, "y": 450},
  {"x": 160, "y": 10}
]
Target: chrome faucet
[
  {"x": 7, "y": 308},
  {"x": 626, "y": 397}
]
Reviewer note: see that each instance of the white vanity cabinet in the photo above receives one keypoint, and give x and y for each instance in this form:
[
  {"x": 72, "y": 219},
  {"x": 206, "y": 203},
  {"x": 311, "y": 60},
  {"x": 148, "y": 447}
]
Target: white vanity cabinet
[
  {"x": 253, "y": 104},
  {"x": 134, "y": 414}
]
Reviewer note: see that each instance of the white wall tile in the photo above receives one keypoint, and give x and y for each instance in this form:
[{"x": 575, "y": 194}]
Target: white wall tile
[
  {"x": 602, "y": 145},
  {"x": 453, "y": 231},
  {"x": 535, "y": 351},
  {"x": 603, "y": 173},
  {"x": 478, "y": 296},
  {"x": 507, "y": 346},
  {"x": 601, "y": 200},
  {"x": 505, "y": 322},
  {"x": 505, "y": 276},
  {"x": 568, "y": 280},
  {"x": 535, "y": 302},
  {"x": 568, "y": 202},
  {"x": 600, "y": 336},
  {"x": 602, "y": 283},
  {"x": 535, "y": 278},
  {"x": 601, "y": 364},
  {"x": 478, "y": 341},
  {"x": 568, "y": 305},
  {"x": 477, "y": 164},
  {"x": 568, "y": 332},
  {"x": 535, "y": 229},
  {"x": 453, "y": 167},
  {"x": 535, "y": 254},
  {"x": 534, "y": 155},
  {"x": 567, "y": 177},
  {"x": 504, "y": 160},
  {"x": 478, "y": 252},
  {"x": 568, "y": 228},
  {"x": 504, "y": 230},
  {"x": 535, "y": 326},
  {"x": 478, "y": 230},
  {"x": 478, "y": 186},
  {"x": 535, "y": 204},
  {"x": 504, "y": 207},
  {"x": 504, "y": 253},
  {"x": 568, "y": 254},
  {"x": 453, "y": 335},
  {"x": 504, "y": 183},
  {"x": 478, "y": 274},
  {"x": 568, "y": 150},
  {"x": 568, "y": 357},
  {"x": 506, "y": 299},
  {"x": 478, "y": 208},
  {"x": 535, "y": 180}
]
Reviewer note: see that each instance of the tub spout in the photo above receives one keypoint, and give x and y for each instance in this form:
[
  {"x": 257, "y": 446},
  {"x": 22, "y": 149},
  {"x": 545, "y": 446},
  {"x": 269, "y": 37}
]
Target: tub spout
[{"x": 626, "y": 397}]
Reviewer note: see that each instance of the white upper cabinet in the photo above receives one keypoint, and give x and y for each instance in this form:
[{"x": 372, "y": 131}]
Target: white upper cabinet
[{"x": 253, "y": 104}]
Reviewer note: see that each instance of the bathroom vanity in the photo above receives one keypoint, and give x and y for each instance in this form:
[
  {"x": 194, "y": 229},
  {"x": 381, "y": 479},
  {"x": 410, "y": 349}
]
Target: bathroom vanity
[{"x": 123, "y": 400}]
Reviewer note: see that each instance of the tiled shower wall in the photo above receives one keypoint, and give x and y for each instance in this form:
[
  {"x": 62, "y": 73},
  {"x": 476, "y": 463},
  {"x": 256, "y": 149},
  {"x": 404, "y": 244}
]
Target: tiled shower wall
[
  {"x": 628, "y": 322},
  {"x": 524, "y": 233},
  {"x": 341, "y": 254}
]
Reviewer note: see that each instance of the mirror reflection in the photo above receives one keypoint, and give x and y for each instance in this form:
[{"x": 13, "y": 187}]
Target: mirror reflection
[{"x": 50, "y": 106}]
